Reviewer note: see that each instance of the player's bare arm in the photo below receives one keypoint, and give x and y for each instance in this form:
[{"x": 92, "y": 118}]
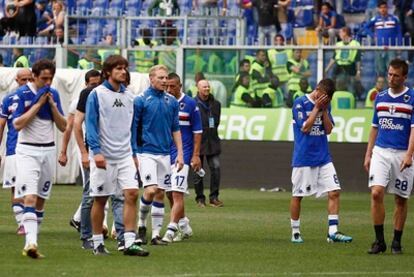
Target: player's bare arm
[
  {"x": 78, "y": 121},
  {"x": 195, "y": 159},
  {"x": 408, "y": 158},
  {"x": 58, "y": 118},
  {"x": 320, "y": 104},
  {"x": 371, "y": 141},
  {"x": 63, "y": 158},
  {"x": 179, "y": 163},
  {"x": 24, "y": 120}
]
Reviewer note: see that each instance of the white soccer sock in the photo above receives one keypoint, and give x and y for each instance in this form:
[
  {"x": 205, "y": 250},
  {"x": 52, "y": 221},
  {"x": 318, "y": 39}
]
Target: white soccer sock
[
  {"x": 144, "y": 208},
  {"x": 39, "y": 215},
  {"x": 18, "y": 212},
  {"x": 183, "y": 224},
  {"x": 295, "y": 224},
  {"x": 105, "y": 221},
  {"x": 77, "y": 215},
  {"x": 97, "y": 240},
  {"x": 333, "y": 221},
  {"x": 30, "y": 225},
  {"x": 172, "y": 228},
  {"x": 129, "y": 238},
  {"x": 157, "y": 215}
]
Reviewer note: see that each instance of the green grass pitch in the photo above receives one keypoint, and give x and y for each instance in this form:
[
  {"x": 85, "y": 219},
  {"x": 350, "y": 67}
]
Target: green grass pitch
[{"x": 249, "y": 236}]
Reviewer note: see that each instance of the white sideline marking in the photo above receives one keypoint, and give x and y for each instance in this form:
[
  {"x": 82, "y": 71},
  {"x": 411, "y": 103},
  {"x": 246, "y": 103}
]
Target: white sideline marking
[{"x": 392, "y": 273}]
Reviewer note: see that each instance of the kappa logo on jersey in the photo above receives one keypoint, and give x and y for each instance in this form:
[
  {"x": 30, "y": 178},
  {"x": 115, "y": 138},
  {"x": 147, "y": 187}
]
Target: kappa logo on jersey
[{"x": 118, "y": 103}]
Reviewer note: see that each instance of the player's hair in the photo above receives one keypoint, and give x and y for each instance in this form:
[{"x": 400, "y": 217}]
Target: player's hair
[
  {"x": 174, "y": 76},
  {"x": 347, "y": 30},
  {"x": 327, "y": 4},
  {"x": 110, "y": 63},
  {"x": 380, "y": 3},
  {"x": 327, "y": 86},
  {"x": 156, "y": 68},
  {"x": 244, "y": 61},
  {"x": 43, "y": 64},
  {"x": 260, "y": 51},
  {"x": 127, "y": 79},
  {"x": 398, "y": 63},
  {"x": 1, "y": 59},
  {"x": 92, "y": 73}
]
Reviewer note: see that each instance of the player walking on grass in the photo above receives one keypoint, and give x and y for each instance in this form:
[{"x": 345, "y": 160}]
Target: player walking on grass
[
  {"x": 388, "y": 158},
  {"x": 155, "y": 127},
  {"x": 109, "y": 113},
  {"x": 38, "y": 110},
  {"x": 191, "y": 129},
  {"x": 9, "y": 175},
  {"x": 313, "y": 171}
]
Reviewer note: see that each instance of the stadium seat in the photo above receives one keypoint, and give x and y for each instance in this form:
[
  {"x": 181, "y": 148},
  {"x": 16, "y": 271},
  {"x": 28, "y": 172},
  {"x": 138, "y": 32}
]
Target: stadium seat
[
  {"x": 83, "y": 7},
  {"x": 116, "y": 7},
  {"x": 99, "y": 7}
]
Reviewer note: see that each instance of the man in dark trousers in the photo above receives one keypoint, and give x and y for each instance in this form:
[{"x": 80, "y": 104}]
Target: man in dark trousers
[{"x": 210, "y": 110}]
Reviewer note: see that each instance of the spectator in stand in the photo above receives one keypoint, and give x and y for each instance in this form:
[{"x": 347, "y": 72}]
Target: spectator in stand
[
  {"x": 387, "y": 31},
  {"x": 1, "y": 61},
  {"x": 327, "y": 24},
  {"x": 282, "y": 15},
  {"x": 342, "y": 99},
  {"x": 20, "y": 60},
  {"x": 90, "y": 60},
  {"x": 304, "y": 88},
  {"x": 105, "y": 53},
  {"x": 298, "y": 68},
  {"x": 272, "y": 96},
  {"x": 409, "y": 22},
  {"x": 44, "y": 17},
  {"x": 145, "y": 59},
  {"x": 210, "y": 7},
  {"x": 402, "y": 11},
  {"x": 260, "y": 73},
  {"x": 244, "y": 66},
  {"x": 372, "y": 94},
  {"x": 164, "y": 8},
  {"x": 346, "y": 62},
  {"x": 8, "y": 23},
  {"x": 242, "y": 95},
  {"x": 192, "y": 91},
  {"x": 268, "y": 22},
  {"x": 26, "y": 18},
  {"x": 278, "y": 58}
]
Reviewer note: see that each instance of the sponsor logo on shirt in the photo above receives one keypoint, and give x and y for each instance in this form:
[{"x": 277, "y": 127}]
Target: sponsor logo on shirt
[{"x": 388, "y": 123}]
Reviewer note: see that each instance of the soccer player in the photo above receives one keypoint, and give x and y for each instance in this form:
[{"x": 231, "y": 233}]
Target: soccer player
[
  {"x": 155, "y": 127},
  {"x": 191, "y": 129},
  {"x": 117, "y": 200},
  {"x": 388, "y": 158},
  {"x": 313, "y": 171},
  {"x": 38, "y": 110},
  {"x": 109, "y": 113},
  {"x": 23, "y": 76}
]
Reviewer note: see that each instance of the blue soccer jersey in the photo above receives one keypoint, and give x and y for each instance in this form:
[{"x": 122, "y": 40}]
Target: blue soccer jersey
[
  {"x": 190, "y": 124},
  {"x": 310, "y": 149},
  {"x": 8, "y": 106},
  {"x": 155, "y": 119},
  {"x": 393, "y": 118}
]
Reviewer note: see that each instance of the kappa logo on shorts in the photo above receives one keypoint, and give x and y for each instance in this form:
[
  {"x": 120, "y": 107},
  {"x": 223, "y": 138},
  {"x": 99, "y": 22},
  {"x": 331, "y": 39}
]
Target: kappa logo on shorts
[
  {"x": 24, "y": 188},
  {"x": 371, "y": 177},
  {"x": 100, "y": 188},
  {"x": 308, "y": 188},
  {"x": 13, "y": 179},
  {"x": 148, "y": 177}
]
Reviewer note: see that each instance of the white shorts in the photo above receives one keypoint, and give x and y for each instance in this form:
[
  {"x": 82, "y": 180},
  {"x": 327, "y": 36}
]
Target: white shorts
[
  {"x": 35, "y": 171},
  {"x": 179, "y": 180},
  {"x": 118, "y": 176},
  {"x": 317, "y": 180},
  {"x": 155, "y": 170},
  {"x": 385, "y": 171},
  {"x": 9, "y": 172}
]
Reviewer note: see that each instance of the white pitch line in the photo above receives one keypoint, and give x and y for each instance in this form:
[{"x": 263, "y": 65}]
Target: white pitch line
[{"x": 391, "y": 273}]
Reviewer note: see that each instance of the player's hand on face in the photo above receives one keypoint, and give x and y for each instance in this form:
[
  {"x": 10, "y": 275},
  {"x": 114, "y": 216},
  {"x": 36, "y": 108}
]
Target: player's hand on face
[
  {"x": 196, "y": 163},
  {"x": 179, "y": 163},
  {"x": 63, "y": 159},
  {"x": 406, "y": 162},
  {"x": 322, "y": 102},
  {"x": 85, "y": 160},
  {"x": 367, "y": 163},
  {"x": 100, "y": 161}
]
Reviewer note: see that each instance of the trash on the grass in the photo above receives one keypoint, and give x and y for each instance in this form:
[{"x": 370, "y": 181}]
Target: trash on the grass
[{"x": 275, "y": 189}]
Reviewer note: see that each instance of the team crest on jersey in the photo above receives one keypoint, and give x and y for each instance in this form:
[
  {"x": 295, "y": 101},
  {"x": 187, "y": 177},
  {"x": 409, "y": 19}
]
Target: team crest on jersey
[
  {"x": 167, "y": 98},
  {"x": 182, "y": 106},
  {"x": 300, "y": 115},
  {"x": 407, "y": 98},
  {"x": 392, "y": 109}
]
